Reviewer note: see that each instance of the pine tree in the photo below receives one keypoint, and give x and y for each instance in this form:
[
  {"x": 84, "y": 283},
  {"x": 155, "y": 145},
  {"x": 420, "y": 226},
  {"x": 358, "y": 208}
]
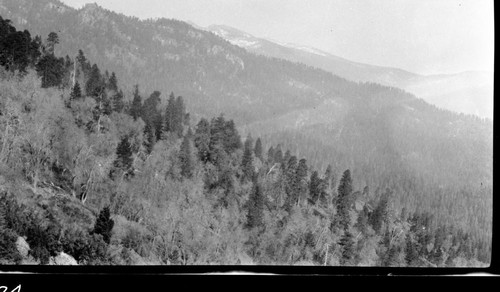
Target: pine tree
[
  {"x": 328, "y": 177},
  {"x": 149, "y": 137},
  {"x": 301, "y": 181},
  {"x": 185, "y": 157},
  {"x": 343, "y": 206},
  {"x": 411, "y": 251},
  {"x": 291, "y": 183},
  {"x": 314, "y": 187},
  {"x": 362, "y": 221},
  {"x": 112, "y": 82},
  {"x": 255, "y": 213},
  {"x": 76, "y": 92},
  {"x": 278, "y": 156},
  {"x": 124, "y": 158},
  {"x": 348, "y": 249},
  {"x": 379, "y": 218},
  {"x": 270, "y": 155},
  {"x": 202, "y": 140},
  {"x": 247, "y": 160},
  {"x": 232, "y": 140},
  {"x": 95, "y": 84},
  {"x": 51, "y": 70},
  {"x": 258, "y": 149},
  {"x": 117, "y": 102},
  {"x": 169, "y": 118},
  {"x": 179, "y": 114},
  {"x": 52, "y": 40},
  {"x": 104, "y": 224},
  {"x": 136, "y": 107}
]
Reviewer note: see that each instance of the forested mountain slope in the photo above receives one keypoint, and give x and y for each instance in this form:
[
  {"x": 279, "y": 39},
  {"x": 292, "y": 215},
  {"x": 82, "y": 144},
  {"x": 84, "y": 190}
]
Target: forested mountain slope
[
  {"x": 88, "y": 176},
  {"x": 433, "y": 159}
]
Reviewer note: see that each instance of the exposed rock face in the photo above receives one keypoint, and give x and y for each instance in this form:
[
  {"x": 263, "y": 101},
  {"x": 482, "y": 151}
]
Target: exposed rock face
[
  {"x": 22, "y": 247},
  {"x": 63, "y": 259}
]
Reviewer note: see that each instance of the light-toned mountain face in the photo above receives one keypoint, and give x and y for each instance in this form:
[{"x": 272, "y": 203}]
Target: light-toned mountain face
[{"x": 468, "y": 92}]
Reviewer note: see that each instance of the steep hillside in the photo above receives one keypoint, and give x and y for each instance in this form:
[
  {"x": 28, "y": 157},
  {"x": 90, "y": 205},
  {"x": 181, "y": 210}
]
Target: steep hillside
[
  {"x": 143, "y": 181},
  {"x": 357, "y": 123}
]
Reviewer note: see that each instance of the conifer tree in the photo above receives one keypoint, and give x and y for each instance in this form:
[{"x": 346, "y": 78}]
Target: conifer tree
[
  {"x": 343, "y": 206},
  {"x": 149, "y": 137},
  {"x": 112, "y": 82},
  {"x": 270, "y": 155},
  {"x": 328, "y": 177},
  {"x": 301, "y": 181},
  {"x": 169, "y": 118},
  {"x": 291, "y": 183},
  {"x": 136, "y": 107},
  {"x": 411, "y": 252},
  {"x": 247, "y": 160},
  {"x": 76, "y": 92},
  {"x": 179, "y": 114},
  {"x": 95, "y": 85},
  {"x": 348, "y": 249},
  {"x": 185, "y": 157},
  {"x": 202, "y": 140},
  {"x": 104, "y": 224},
  {"x": 379, "y": 218},
  {"x": 124, "y": 159},
  {"x": 52, "y": 40},
  {"x": 255, "y": 213},
  {"x": 278, "y": 156},
  {"x": 314, "y": 187},
  {"x": 258, "y": 149},
  {"x": 51, "y": 70},
  {"x": 117, "y": 102}
]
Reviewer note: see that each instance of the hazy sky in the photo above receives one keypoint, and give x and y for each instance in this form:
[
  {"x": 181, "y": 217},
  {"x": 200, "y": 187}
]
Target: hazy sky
[{"x": 422, "y": 36}]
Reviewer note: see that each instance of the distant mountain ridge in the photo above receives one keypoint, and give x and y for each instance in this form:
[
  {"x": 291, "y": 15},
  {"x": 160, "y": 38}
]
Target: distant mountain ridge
[{"x": 469, "y": 92}]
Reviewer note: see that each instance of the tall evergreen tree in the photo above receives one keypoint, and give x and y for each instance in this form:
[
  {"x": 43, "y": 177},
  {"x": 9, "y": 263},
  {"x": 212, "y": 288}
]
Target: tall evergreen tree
[
  {"x": 185, "y": 157},
  {"x": 328, "y": 177},
  {"x": 179, "y": 114},
  {"x": 202, "y": 140},
  {"x": 117, "y": 102},
  {"x": 379, "y": 218},
  {"x": 104, "y": 224},
  {"x": 343, "y": 205},
  {"x": 76, "y": 92},
  {"x": 123, "y": 161},
  {"x": 51, "y": 70},
  {"x": 255, "y": 213},
  {"x": 291, "y": 183},
  {"x": 247, "y": 160},
  {"x": 169, "y": 118},
  {"x": 149, "y": 137},
  {"x": 258, "y": 149},
  {"x": 301, "y": 181},
  {"x": 270, "y": 155},
  {"x": 314, "y": 187},
  {"x": 232, "y": 140},
  {"x": 52, "y": 40},
  {"x": 278, "y": 155},
  {"x": 112, "y": 82},
  {"x": 348, "y": 249},
  {"x": 136, "y": 107},
  {"x": 95, "y": 83}
]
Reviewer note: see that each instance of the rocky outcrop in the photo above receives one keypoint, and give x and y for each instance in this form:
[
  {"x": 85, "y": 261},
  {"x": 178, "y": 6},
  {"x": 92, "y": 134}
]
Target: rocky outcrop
[
  {"x": 22, "y": 247},
  {"x": 63, "y": 259}
]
